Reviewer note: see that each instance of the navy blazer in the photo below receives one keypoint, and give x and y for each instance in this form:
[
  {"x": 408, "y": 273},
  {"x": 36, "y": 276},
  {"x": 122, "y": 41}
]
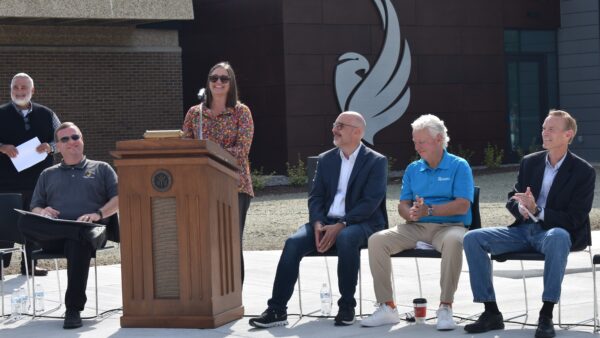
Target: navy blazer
[
  {"x": 570, "y": 197},
  {"x": 366, "y": 193}
]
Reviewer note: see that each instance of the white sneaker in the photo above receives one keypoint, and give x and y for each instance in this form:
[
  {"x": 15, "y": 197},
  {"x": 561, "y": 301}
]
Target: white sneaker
[
  {"x": 382, "y": 316},
  {"x": 445, "y": 321}
]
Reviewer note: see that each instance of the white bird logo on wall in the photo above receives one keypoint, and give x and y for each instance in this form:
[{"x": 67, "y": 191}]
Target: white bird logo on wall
[{"x": 380, "y": 93}]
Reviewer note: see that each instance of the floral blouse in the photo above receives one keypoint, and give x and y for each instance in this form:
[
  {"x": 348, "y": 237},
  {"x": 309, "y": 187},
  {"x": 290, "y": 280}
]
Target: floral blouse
[{"x": 232, "y": 129}]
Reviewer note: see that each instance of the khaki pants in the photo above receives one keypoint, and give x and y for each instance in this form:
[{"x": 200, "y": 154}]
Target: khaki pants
[{"x": 446, "y": 238}]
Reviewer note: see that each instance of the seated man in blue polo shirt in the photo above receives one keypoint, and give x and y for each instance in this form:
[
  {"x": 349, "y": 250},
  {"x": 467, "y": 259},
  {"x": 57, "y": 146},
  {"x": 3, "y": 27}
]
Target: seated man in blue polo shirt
[{"x": 435, "y": 201}]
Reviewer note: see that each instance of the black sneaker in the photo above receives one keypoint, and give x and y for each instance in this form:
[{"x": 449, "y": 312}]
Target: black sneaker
[
  {"x": 72, "y": 319},
  {"x": 269, "y": 318},
  {"x": 345, "y": 317},
  {"x": 486, "y": 322},
  {"x": 545, "y": 328}
]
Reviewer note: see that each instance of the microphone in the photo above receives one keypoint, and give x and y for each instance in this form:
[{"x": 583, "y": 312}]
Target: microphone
[{"x": 202, "y": 95}]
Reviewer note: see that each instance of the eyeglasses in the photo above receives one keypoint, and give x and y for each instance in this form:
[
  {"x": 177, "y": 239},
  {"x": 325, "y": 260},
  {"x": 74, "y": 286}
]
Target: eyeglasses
[
  {"x": 340, "y": 125},
  {"x": 215, "y": 78},
  {"x": 73, "y": 137}
]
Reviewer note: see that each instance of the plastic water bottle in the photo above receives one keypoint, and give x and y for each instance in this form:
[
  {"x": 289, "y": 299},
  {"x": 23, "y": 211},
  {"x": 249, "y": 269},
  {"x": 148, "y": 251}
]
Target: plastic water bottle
[
  {"x": 24, "y": 300},
  {"x": 325, "y": 300},
  {"x": 15, "y": 305},
  {"x": 39, "y": 298}
]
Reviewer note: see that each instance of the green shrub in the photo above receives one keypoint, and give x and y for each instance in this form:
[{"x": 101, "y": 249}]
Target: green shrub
[
  {"x": 519, "y": 152},
  {"x": 259, "y": 179},
  {"x": 391, "y": 163},
  {"x": 415, "y": 157},
  {"x": 533, "y": 147},
  {"x": 465, "y": 153},
  {"x": 492, "y": 156},
  {"x": 297, "y": 173}
]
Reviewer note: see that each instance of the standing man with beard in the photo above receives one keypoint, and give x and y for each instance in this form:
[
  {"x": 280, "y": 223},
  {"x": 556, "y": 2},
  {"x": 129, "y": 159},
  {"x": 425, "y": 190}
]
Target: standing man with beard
[
  {"x": 346, "y": 205},
  {"x": 23, "y": 120}
]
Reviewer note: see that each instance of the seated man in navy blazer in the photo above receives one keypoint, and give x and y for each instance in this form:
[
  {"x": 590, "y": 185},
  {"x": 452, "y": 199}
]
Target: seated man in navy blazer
[
  {"x": 551, "y": 202},
  {"x": 346, "y": 205}
]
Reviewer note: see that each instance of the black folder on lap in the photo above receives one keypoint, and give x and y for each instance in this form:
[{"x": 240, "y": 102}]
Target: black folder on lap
[{"x": 59, "y": 220}]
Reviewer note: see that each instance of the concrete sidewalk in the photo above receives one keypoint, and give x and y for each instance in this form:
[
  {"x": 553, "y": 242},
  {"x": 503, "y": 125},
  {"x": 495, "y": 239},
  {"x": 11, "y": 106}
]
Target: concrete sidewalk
[{"x": 260, "y": 268}]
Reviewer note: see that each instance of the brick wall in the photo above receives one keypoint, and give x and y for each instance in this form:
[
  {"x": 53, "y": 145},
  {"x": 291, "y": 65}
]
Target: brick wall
[{"x": 111, "y": 95}]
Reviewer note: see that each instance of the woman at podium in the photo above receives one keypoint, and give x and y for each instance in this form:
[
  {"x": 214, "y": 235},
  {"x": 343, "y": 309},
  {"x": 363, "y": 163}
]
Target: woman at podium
[{"x": 223, "y": 119}]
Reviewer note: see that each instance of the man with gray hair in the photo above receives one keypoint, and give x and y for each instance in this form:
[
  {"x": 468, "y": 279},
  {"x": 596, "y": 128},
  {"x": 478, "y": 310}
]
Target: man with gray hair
[
  {"x": 23, "y": 120},
  {"x": 435, "y": 201}
]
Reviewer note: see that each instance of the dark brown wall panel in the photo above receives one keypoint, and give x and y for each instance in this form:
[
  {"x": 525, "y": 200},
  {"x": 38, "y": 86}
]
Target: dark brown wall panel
[
  {"x": 433, "y": 40},
  {"x": 482, "y": 97},
  {"x": 309, "y": 100},
  {"x": 248, "y": 34},
  {"x": 287, "y": 51},
  {"x": 436, "y": 69},
  {"x": 457, "y": 66},
  {"x": 309, "y": 130},
  {"x": 482, "y": 41},
  {"x": 355, "y": 12},
  {"x": 483, "y": 68},
  {"x": 305, "y": 11},
  {"x": 531, "y": 14},
  {"x": 441, "y": 13}
]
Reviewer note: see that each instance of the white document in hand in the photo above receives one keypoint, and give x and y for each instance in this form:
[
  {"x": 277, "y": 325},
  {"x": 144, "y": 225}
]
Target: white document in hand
[
  {"x": 28, "y": 156},
  {"x": 533, "y": 218}
]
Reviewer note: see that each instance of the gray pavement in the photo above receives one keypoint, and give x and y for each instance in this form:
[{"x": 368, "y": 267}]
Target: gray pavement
[{"x": 260, "y": 267}]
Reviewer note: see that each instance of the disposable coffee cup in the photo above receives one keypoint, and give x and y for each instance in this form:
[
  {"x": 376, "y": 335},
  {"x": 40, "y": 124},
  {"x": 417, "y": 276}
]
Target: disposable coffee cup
[{"x": 420, "y": 305}]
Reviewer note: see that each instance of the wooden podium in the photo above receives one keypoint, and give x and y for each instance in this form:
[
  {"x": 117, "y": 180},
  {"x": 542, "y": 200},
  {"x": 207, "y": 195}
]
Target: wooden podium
[{"x": 180, "y": 236}]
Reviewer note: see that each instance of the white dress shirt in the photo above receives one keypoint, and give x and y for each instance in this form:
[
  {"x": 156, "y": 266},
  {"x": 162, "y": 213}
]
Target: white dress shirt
[
  {"x": 549, "y": 175},
  {"x": 338, "y": 207}
]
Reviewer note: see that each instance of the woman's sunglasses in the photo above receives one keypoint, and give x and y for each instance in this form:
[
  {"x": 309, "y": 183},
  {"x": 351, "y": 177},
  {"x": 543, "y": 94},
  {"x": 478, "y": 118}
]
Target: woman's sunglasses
[
  {"x": 73, "y": 137},
  {"x": 215, "y": 78}
]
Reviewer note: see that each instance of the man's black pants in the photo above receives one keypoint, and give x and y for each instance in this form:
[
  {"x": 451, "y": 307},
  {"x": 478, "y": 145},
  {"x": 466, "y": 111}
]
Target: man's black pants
[{"x": 58, "y": 237}]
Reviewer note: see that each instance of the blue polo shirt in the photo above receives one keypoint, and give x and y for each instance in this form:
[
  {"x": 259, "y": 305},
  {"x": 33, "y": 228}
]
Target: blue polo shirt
[{"x": 451, "y": 179}]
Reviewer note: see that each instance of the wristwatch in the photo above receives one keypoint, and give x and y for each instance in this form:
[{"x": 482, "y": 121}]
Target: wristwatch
[
  {"x": 537, "y": 211},
  {"x": 99, "y": 212},
  {"x": 430, "y": 210},
  {"x": 341, "y": 220}
]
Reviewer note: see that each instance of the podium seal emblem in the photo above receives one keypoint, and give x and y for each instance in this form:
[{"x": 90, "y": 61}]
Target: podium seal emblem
[{"x": 162, "y": 180}]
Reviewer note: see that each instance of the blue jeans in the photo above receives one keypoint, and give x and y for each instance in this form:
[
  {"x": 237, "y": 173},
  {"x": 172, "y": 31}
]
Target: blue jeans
[
  {"x": 555, "y": 244},
  {"x": 348, "y": 245}
]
